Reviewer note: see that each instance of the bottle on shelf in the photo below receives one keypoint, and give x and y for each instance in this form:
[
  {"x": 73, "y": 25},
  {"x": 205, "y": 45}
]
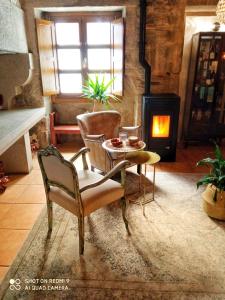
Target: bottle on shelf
[
  {"x": 202, "y": 93},
  {"x": 212, "y": 50},
  {"x": 199, "y": 115},
  {"x": 205, "y": 64},
  {"x": 212, "y": 76},
  {"x": 208, "y": 80},
  {"x": 210, "y": 94}
]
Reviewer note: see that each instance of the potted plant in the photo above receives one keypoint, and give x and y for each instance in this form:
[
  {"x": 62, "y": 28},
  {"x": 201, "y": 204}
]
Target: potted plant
[
  {"x": 98, "y": 91},
  {"x": 214, "y": 194}
]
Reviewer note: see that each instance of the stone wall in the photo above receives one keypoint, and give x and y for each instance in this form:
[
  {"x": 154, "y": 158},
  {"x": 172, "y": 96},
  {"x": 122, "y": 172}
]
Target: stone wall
[
  {"x": 13, "y": 72},
  {"x": 13, "y": 67},
  {"x": 165, "y": 30},
  {"x": 12, "y": 31}
]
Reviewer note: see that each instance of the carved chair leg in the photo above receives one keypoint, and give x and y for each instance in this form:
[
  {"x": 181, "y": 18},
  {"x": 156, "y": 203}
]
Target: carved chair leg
[
  {"x": 49, "y": 210},
  {"x": 124, "y": 209},
  {"x": 81, "y": 234}
]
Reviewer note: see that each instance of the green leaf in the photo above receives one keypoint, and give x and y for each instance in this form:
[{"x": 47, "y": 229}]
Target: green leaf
[
  {"x": 206, "y": 180},
  {"x": 218, "y": 153},
  {"x": 97, "y": 89},
  {"x": 217, "y": 171},
  {"x": 207, "y": 161}
]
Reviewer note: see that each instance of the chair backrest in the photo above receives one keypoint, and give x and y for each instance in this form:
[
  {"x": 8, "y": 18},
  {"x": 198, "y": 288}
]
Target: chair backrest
[
  {"x": 102, "y": 122},
  {"x": 57, "y": 171}
]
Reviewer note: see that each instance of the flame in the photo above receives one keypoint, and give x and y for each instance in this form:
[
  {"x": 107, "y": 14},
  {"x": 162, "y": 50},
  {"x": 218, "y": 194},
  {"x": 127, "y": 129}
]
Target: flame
[{"x": 161, "y": 126}]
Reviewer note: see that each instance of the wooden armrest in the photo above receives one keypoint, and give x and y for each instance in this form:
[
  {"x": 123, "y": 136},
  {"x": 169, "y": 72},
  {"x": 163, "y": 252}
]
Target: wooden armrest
[
  {"x": 119, "y": 167},
  {"x": 82, "y": 151},
  {"x": 95, "y": 137},
  {"x": 130, "y": 128}
]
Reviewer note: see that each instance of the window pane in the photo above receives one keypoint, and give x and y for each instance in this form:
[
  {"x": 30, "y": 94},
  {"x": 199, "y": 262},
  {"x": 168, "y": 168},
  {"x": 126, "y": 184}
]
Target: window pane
[
  {"x": 98, "y": 59},
  {"x": 98, "y": 33},
  {"x": 70, "y": 83},
  {"x": 67, "y": 34},
  {"x": 69, "y": 59}
]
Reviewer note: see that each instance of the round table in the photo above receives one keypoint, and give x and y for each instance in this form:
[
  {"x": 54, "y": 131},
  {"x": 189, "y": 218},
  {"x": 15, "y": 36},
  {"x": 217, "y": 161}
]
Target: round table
[{"x": 126, "y": 148}]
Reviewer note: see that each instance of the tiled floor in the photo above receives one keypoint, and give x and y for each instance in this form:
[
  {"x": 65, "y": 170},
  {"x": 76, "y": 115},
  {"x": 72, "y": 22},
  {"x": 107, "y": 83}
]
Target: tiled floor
[{"x": 24, "y": 199}]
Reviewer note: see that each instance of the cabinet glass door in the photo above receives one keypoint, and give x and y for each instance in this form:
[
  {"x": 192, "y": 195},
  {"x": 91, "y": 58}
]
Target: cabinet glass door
[{"x": 205, "y": 83}]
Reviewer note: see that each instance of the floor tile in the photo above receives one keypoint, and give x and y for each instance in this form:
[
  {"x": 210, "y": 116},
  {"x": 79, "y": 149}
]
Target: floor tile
[
  {"x": 3, "y": 271},
  {"x": 174, "y": 167},
  {"x": 4, "y": 209},
  {"x": 33, "y": 178},
  {"x": 10, "y": 243},
  {"x": 32, "y": 194},
  {"x": 11, "y": 193},
  {"x": 35, "y": 163},
  {"x": 20, "y": 216}
]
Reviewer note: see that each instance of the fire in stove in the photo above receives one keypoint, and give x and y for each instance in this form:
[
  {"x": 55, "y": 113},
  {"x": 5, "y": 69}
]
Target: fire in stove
[
  {"x": 160, "y": 115},
  {"x": 160, "y": 126}
]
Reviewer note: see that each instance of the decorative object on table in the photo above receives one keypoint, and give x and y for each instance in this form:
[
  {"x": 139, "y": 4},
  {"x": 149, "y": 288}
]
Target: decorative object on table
[
  {"x": 124, "y": 148},
  {"x": 123, "y": 136},
  {"x": 98, "y": 90},
  {"x": 214, "y": 195},
  {"x": 116, "y": 142},
  {"x": 146, "y": 158},
  {"x": 3, "y": 179},
  {"x": 133, "y": 140},
  {"x": 34, "y": 143}
]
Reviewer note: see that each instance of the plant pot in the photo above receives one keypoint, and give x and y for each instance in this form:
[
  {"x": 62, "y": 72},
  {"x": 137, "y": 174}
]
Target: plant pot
[
  {"x": 99, "y": 106},
  {"x": 214, "y": 209}
]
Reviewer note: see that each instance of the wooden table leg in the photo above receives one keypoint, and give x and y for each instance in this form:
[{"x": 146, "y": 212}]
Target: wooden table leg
[{"x": 139, "y": 169}]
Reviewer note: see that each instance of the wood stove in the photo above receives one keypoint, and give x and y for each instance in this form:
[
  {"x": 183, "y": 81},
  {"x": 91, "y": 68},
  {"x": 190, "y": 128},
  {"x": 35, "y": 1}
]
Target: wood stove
[{"x": 160, "y": 115}]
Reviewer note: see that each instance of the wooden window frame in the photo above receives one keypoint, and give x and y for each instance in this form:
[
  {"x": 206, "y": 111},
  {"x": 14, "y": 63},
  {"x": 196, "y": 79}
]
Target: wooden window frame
[{"x": 82, "y": 18}]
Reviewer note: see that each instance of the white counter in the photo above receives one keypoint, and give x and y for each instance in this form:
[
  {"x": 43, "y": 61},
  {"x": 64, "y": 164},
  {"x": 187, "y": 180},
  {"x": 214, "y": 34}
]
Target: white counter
[{"x": 14, "y": 129}]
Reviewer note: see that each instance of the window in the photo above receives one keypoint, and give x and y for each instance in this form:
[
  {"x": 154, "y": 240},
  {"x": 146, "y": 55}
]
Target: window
[{"x": 85, "y": 46}]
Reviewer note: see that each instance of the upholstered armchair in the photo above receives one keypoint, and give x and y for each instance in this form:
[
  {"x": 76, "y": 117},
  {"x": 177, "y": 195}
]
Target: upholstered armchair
[
  {"x": 80, "y": 192},
  {"x": 97, "y": 127}
]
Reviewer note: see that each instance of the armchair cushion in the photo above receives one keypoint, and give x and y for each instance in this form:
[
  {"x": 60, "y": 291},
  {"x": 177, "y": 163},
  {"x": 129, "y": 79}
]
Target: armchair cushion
[
  {"x": 93, "y": 198},
  {"x": 63, "y": 199}
]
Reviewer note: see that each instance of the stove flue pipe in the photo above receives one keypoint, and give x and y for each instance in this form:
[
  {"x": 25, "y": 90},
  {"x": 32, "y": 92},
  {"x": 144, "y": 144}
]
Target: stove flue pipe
[{"x": 142, "y": 60}]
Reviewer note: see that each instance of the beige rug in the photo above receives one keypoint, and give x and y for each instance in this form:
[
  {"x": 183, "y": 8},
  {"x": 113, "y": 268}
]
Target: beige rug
[{"x": 175, "y": 252}]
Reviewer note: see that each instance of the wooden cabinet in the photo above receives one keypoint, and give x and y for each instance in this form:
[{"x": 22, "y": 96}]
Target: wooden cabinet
[{"x": 204, "y": 117}]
